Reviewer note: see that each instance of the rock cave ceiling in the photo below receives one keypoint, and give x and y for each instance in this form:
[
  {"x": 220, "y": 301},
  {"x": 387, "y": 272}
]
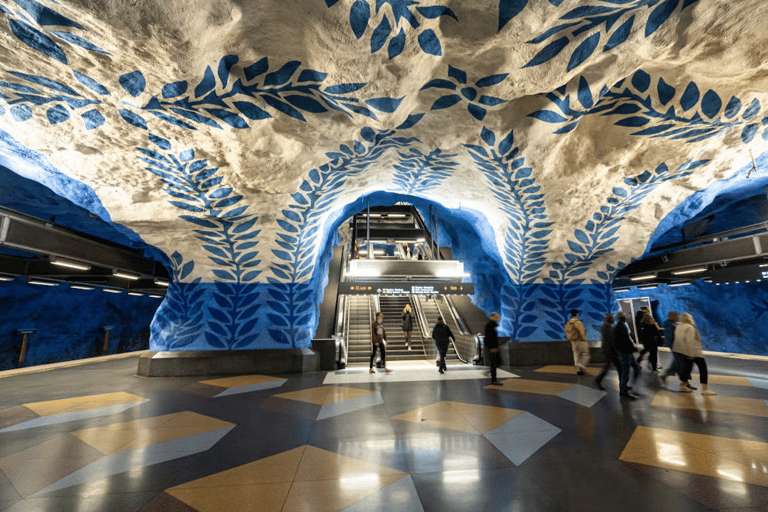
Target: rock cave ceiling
[{"x": 572, "y": 128}]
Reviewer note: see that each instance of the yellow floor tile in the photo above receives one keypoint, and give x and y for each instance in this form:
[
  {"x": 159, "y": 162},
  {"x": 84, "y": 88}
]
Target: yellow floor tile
[
  {"x": 334, "y": 495},
  {"x": 324, "y": 395},
  {"x": 727, "y": 404},
  {"x": 533, "y": 386},
  {"x": 144, "y": 432},
  {"x": 253, "y": 498},
  {"x": 475, "y": 419},
  {"x": 83, "y": 403},
  {"x": 318, "y": 464},
  {"x": 728, "y": 380},
  {"x": 240, "y": 380},
  {"x": 568, "y": 370},
  {"x": 718, "y": 457}
]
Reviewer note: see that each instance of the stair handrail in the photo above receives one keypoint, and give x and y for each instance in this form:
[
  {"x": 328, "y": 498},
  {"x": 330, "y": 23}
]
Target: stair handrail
[{"x": 342, "y": 329}]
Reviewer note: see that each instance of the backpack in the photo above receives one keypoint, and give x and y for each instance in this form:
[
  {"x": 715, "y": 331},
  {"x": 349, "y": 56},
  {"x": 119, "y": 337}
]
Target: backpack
[{"x": 571, "y": 333}]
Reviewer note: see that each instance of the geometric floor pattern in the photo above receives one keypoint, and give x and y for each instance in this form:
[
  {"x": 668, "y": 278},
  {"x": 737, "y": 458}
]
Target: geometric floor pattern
[{"x": 411, "y": 440}]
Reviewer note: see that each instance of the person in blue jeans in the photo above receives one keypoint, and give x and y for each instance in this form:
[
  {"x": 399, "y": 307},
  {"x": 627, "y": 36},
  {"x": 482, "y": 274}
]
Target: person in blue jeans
[{"x": 625, "y": 349}]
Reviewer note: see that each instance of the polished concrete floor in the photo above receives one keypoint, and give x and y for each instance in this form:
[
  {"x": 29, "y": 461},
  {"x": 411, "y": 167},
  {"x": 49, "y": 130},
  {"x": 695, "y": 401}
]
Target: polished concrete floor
[{"x": 98, "y": 438}]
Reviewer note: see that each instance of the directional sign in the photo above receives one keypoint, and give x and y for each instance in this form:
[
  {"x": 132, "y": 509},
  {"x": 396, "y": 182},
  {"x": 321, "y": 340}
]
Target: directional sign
[{"x": 407, "y": 288}]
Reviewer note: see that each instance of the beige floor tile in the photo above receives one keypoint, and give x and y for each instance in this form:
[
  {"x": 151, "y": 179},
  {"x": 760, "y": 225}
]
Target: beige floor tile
[
  {"x": 324, "y": 395},
  {"x": 568, "y": 370},
  {"x": 727, "y": 404},
  {"x": 485, "y": 418},
  {"x": 280, "y": 468},
  {"x": 334, "y": 495},
  {"x": 533, "y": 386},
  {"x": 728, "y": 380},
  {"x": 318, "y": 464},
  {"x": 439, "y": 415},
  {"x": 253, "y": 498},
  {"x": 83, "y": 403},
  {"x": 240, "y": 380},
  {"x": 718, "y": 457}
]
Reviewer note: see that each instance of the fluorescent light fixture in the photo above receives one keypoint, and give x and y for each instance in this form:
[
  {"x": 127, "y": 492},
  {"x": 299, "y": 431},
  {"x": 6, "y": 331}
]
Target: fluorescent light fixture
[
  {"x": 763, "y": 265},
  {"x": 43, "y": 282},
  {"x": 61, "y": 262},
  {"x": 82, "y": 287},
  {"x": 421, "y": 240},
  {"x": 648, "y": 287},
  {"x": 112, "y": 290},
  {"x": 695, "y": 270},
  {"x": 135, "y": 294},
  {"x": 707, "y": 280},
  {"x": 686, "y": 283},
  {"x": 162, "y": 282},
  {"x": 6, "y": 277},
  {"x": 379, "y": 251},
  {"x": 643, "y": 277},
  {"x": 620, "y": 290},
  {"x": 155, "y": 296},
  {"x": 125, "y": 275}
]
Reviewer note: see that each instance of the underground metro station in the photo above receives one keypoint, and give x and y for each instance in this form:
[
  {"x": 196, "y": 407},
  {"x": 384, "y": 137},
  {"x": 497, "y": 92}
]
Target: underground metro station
[{"x": 204, "y": 206}]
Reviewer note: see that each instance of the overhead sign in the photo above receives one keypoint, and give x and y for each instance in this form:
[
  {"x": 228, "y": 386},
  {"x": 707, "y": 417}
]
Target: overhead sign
[{"x": 407, "y": 288}]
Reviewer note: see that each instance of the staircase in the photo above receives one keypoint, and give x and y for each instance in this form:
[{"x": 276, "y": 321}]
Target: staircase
[
  {"x": 392, "y": 307},
  {"x": 431, "y": 312}
]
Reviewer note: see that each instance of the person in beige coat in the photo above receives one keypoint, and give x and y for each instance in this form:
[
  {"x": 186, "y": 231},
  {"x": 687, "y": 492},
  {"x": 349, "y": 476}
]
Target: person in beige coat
[{"x": 688, "y": 343}]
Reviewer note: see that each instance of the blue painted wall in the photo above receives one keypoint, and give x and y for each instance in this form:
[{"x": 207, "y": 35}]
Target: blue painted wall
[
  {"x": 69, "y": 323},
  {"x": 730, "y": 317}
]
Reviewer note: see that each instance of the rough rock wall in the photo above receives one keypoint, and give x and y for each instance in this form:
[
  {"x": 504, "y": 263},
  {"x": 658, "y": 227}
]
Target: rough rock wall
[{"x": 231, "y": 134}]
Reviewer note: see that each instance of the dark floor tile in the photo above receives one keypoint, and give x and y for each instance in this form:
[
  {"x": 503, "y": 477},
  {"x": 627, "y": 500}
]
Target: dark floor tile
[
  {"x": 114, "y": 502},
  {"x": 166, "y": 503},
  {"x": 14, "y": 415}
]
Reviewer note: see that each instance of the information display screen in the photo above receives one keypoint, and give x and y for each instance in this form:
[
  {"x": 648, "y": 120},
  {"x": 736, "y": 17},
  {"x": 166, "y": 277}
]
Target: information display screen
[{"x": 407, "y": 288}]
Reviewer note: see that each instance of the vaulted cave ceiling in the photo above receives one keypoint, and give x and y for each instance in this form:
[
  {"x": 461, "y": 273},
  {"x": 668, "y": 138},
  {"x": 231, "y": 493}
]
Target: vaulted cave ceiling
[{"x": 573, "y": 128}]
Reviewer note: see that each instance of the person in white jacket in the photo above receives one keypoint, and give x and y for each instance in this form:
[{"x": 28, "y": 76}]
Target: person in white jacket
[{"x": 688, "y": 343}]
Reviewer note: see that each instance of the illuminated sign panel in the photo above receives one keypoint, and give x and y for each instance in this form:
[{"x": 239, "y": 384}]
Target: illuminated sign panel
[{"x": 407, "y": 288}]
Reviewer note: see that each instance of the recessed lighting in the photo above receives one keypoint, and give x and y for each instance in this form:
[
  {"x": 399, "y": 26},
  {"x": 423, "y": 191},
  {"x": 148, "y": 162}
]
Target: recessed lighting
[
  {"x": 125, "y": 275},
  {"x": 82, "y": 287},
  {"x": 6, "y": 277},
  {"x": 155, "y": 296},
  {"x": 643, "y": 277},
  {"x": 135, "y": 294},
  {"x": 648, "y": 287},
  {"x": 678, "y": 284},
  {"x": 689, "y": 271},
  {"x": 619, "y": 290},
  {"x": 61, "y": 262},
  {"x": 112, "y": 290},
  {"x": 42, "y": 282},
  {"x": 162, "y": 282}
]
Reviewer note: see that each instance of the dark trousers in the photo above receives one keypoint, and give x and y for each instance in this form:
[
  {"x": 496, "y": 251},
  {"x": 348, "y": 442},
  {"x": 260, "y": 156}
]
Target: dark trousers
[
  {"x": 678, "y": 360},
  {"x": 653, "y": 355},
  {"x": 688, "y": 366},
  {"x": 379, "y": 346},
  {"x": 610, "y": 359},
  {"x": 442, "y": 351},
  {"x": 494, "y": 359},
  {"x": 626, "y": 362}
]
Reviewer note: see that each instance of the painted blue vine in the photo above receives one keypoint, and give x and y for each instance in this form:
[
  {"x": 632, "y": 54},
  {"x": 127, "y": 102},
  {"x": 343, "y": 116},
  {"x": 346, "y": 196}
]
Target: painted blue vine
[{"x": 417, "y": 172}]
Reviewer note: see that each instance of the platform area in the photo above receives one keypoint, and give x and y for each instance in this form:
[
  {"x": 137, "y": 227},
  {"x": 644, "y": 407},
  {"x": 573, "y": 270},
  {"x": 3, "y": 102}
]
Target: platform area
[{"x": 96, "y": 437}]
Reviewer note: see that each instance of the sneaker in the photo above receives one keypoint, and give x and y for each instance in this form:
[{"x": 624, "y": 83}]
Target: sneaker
[
  {"x": 684, "y": 388},
  {"x": 627, "y": 396},
  {"x": 440, "y": 372},
  {"x": 690, "y": 387},
  {"x": 579, "y": 372},
  {"x": 708, "y": 392},
  {"x": 409, "y": 348},
  {"x": 387, "y": 370},
  {"x": 496, "y": 383},
  {"x": 599, "y": 386},
  {"x": 371, "y": 370}
]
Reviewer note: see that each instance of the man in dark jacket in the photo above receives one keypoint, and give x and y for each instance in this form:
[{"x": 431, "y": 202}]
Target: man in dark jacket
[
  {"x": 442, "y": 335},
  {"x": 492, "y": 344},
  {"x": 669, "y": 326},
  {"x": 609, "y": 350},
  {"x": 626, "y": 349}
]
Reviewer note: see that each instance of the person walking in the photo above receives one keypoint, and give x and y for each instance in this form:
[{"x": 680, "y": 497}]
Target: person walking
[
  {"x": 609, "y": 350},
  {"x": 442, "y": 335},
  {"x": 407, "y": 325},
  {"x": 688, "y": 343},
  {"x": 625, "y": 349},
  {"x": 491, "y": 343},
  {"x": 648, "y": 333},
  {"x": 574, "y": 331},
  {"x": 378, "y": 342},
  {"x": 669, "y": 326}
]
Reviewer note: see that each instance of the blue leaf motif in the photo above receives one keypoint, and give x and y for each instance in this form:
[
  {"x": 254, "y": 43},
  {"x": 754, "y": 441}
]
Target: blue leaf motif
[
  {"x": 439, "y": 83},
  {"x": 133, "y": 119},
  {"x": 547, "y": 116},
  {"x": 384, "y": 104},
  {"x": 457, "y": 74},
  {"x": 508, "y": 9},
  {"x": 257, "y": 68},
  {"x": 491, "y": 80},
  {"x": 411, "y": 120},
  {"x": 90, "y": 83},
  {"x": 666, "y": 92},
  {"x": 429, "y": 43},
  {"x": 581, "y": 236},
  {"x": 206, "y": 84},
  {"x": 396, "y": 44},
  {"x": 659, "y": 15},
  {"x": 133, "y": 83},
  {"x": 57, "y": 114},
  {"x": 37, "y": 40},
  {"x": 751, "y": 110},
  {"x": 585, "y": 94},
  {"x": 282, "y": 75},
  {"x": 79, "y": 41},
  {"x": 92, "y": 119},
  {"x": 733, "y": 107},
  {"x": 506, "y": 144},
  {"x": 620, "y": 35},
  {"x": 576, "y": 247},
  {"x": 359, "y": 15},
  {"x": 634, "y": 121},
  {"x": 748, "y": 133},
  {"x": 344, "y": 88},
  {"x": 476, "y": 111},
  {"x": 174, "y": 89},
  {"x": 584, "y": 50},
  {"x": 380, "y": 35},
  {"x": 446, "y": 101},
  {"x": 549, "y": 52},
  {"x": 488, "y": 136},
  {"x": 306, "y": 103},
  {"x": 711, "y": 104},
  {"x": 690, "y": 97},
  {"x": 641, "y": 80},
  {"x": 251, "y": 111}
]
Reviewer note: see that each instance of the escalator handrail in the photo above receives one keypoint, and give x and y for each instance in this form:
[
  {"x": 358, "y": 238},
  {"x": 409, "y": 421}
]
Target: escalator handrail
[
  {"x": 453, "y": 343},
  {"x": 455, "y": 315}
]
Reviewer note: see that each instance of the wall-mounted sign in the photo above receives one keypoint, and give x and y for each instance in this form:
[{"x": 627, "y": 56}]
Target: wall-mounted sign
[{"x": 407, "y": 288}]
